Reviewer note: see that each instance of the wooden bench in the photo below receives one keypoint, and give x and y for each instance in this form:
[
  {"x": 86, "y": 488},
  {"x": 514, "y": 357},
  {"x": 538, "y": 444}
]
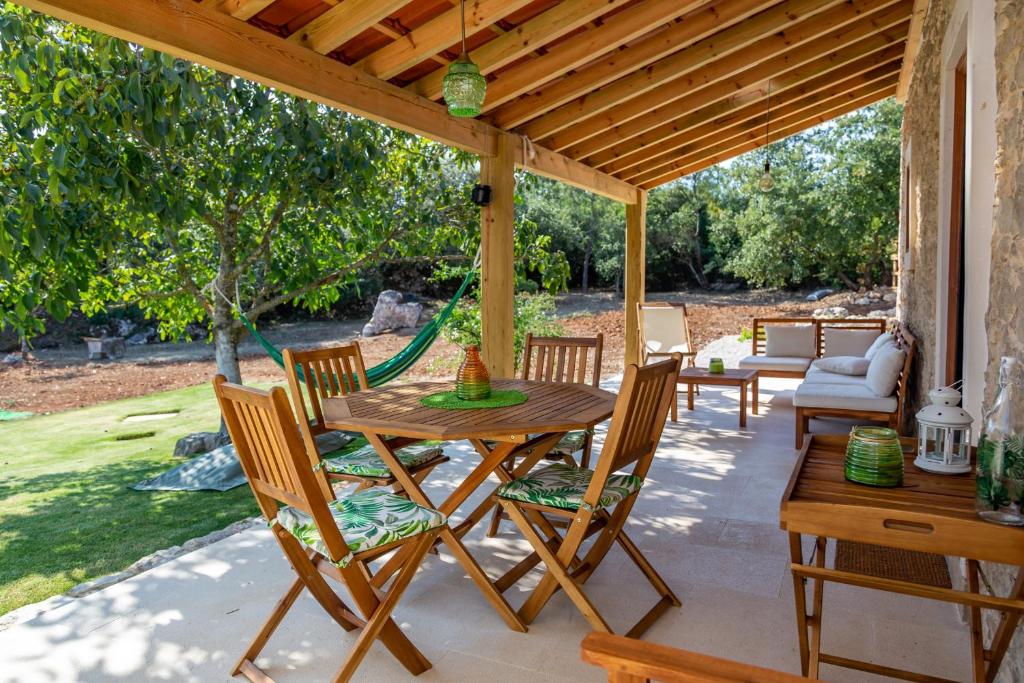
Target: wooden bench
[
  {"x": 635, "y": 661},
  {"x": 759, "y": 342}
]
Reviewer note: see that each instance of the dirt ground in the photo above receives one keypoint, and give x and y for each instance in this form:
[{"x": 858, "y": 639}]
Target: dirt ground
[{"x": 61, "y": 379}]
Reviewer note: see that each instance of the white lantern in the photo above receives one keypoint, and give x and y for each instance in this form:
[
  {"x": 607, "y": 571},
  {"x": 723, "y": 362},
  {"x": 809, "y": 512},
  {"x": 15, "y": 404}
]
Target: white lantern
[{"x": 944, "y": 434}]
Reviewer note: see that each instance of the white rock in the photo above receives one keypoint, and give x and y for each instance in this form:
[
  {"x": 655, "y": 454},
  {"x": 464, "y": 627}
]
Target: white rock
[{"x": 391, "y": 314}]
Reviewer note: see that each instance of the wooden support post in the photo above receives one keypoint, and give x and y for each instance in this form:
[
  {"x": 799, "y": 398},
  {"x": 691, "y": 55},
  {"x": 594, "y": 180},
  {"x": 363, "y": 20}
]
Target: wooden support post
[
  {"x": 636, "y": 239},
  {"x": 497, "y": 264}
]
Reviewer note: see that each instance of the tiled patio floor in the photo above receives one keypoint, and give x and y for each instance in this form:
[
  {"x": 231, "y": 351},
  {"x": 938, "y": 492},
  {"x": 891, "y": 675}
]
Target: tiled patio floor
[{"x": 707, "y": 518}]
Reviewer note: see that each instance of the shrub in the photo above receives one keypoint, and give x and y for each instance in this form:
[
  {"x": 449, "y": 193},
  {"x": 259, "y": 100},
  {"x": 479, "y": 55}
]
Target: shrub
[{"x": 532, "y": 313}]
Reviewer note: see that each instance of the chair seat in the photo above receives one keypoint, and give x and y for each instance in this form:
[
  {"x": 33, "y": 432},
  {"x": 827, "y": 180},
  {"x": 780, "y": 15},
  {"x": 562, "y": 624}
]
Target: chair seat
[
  {"x": 562, "y": 486},
  {"x": 366, "y": 462},
  {"x": 570, "y": 443},
  {"x": 367, "y": 519}
]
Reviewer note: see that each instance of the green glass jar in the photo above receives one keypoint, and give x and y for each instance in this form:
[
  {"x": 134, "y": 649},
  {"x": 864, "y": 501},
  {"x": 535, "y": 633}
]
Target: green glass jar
[
  {"x": 716, "y": 366},
  {"x": 874, "y": 456}
]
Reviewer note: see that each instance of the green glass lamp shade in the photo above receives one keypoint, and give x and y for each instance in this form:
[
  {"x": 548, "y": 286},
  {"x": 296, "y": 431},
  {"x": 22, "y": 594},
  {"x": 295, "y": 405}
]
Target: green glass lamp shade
[{"x": 464, "y": 88}]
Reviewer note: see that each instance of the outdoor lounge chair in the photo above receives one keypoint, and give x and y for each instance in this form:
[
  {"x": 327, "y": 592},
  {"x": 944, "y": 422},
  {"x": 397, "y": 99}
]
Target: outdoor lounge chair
[
  {"x": 664, "y": 330},
  {"x": 337, "y": 371},
  {"x": 597, "y": 501},
  {"x": 324, "y": 536}
]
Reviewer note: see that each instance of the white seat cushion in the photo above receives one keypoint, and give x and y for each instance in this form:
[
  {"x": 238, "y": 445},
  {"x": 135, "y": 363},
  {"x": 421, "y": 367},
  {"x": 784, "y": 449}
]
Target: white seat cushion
[
  {"x": 816, "y": 375},
  {"x": 842, "y": 342},
  {"x": 844, "y": 396},
  {"x": 788, "y": 364}
]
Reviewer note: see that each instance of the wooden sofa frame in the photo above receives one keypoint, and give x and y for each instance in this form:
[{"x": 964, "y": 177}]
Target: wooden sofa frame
[
  {"x": 759, "y": 342},
  {"x": 904, "y": 340}
]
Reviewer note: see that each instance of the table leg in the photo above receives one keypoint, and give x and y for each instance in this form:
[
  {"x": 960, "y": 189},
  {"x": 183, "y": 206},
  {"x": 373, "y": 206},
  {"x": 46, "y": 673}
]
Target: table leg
[
  {"x": 1004, "y": 632},
  {"x": 819, "y": 595},
  {"x": 977, "y": 637},
  {"x": 743, "y": 405},
  {"x": 796, "y": 556},
  {"x": 689, "y": 395},
  {"x": 754, "y": 387}
]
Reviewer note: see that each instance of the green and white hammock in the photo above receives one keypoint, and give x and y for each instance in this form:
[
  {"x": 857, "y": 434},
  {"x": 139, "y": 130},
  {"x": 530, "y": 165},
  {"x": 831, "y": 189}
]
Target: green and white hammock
[{"x": 402, "y": 361}]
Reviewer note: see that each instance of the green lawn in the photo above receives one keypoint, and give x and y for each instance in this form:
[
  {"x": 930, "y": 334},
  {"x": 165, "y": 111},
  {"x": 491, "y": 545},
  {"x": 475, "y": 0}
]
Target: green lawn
[{"x": 66, "y": 514}]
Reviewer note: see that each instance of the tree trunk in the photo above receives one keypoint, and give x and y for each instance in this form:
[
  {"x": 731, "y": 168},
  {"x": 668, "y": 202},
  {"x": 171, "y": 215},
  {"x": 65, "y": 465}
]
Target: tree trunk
[
  {"x": 225, "y": 345},
  {"x": 585, "y": 281},
  {"x": 847, "y": 281}
]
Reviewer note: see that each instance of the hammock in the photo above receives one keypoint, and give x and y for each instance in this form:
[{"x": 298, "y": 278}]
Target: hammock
[{"x": 395, "y": 366}]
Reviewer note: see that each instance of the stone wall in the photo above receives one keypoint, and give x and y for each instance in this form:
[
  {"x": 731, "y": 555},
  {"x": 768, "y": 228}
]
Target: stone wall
[{"x": 1005, "y": 318}]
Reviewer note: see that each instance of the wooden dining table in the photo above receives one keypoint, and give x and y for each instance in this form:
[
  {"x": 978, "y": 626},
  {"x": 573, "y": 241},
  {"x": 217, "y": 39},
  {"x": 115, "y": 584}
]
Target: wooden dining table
[
  {"x": 392, "y": 416},
  {"x": 930, "y": 513}
]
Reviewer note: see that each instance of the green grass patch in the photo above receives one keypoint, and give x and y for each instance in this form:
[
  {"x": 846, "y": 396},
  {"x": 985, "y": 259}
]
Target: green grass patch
[
  {"x": 133, "y": 436},
  {"x": 66, "y": 514}
]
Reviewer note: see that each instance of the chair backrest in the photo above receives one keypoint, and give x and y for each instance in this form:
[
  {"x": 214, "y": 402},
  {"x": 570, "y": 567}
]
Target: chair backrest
[
  {"x": 759, "y": 341},
  {"x": 563, "y": 359},
  {"x": 637, "y": 421},
  {"x": 664, "y": 327},
  {"x": 333, "y": 371},
  {"x": 262, "y": 428},
  {"x": 904, "y": 340}
]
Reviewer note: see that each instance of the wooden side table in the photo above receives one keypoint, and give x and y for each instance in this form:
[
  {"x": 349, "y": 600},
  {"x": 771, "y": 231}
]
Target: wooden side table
[{"x": 743, "y": 379}]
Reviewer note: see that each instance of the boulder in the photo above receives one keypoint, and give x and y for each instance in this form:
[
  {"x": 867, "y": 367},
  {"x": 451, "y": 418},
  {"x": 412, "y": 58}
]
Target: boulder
[
  {"x": 124, "y": 327},
  {"x": 13, "y": 358},
  {"x": 144, "y": 337},
  {"x": 832, "y": 312},
  {"x": 819, "y": 294},
  {"x": 392, "y": 313},
  {"x": 200, "y": 442}
]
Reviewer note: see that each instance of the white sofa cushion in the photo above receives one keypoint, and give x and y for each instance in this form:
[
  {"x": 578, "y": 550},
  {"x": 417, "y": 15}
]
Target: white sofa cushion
[
  {"x": 884, "y": 371},
  {"x": 882, "y": 340},
  {"x": 843, "y": 365},
  {"x": 790, "y": 341},
  {"x": 816, "y": 375},
  {"x": 840, "y": 342},
  {"x": 854, "y": 396},
  {"x": 783, "y": 363}
]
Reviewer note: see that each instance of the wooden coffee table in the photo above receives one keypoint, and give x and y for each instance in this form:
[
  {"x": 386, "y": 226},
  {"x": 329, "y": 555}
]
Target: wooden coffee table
[{"x": 730, "y": 378}]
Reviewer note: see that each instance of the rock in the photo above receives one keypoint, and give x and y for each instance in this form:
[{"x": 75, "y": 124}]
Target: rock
[
  {"x": 124, "y": 327},
  {"x": 391, "y": 313},
  {"x": 13, "y": 358},
  {"x": 819, "y": 294},
  {"x": 863, "y": 301},
  {"x": 889, "y": 297},
  {"x": 199, "y": 442},
  {"x": 886, "y": 313},
  {"x": 832, "y": 312},
  {"x": 144, "y": 337}
]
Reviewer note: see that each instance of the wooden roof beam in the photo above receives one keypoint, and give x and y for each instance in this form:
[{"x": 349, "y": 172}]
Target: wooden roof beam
[
  {"x": 580, "y": 49},
  {"x": 726, "y": 77},
  {"x": 751, "y": 31},
  {"x": 726, "y": 152},
  {"x": 749, "y": 103},
  {"x": 239, "y": 9},
  {"x": 698, "y": 25},
  {"x": 343, "y": 22},
  {"x": 561, "y": 19},
  {"x": 913, "y": 44},
  {"x": 434, "y": 36},
  {"x": 753, "y": 129}
]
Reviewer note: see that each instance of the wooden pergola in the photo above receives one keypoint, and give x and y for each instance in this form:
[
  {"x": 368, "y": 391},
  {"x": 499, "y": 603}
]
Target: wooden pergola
[{"x": 613, "y": 96}]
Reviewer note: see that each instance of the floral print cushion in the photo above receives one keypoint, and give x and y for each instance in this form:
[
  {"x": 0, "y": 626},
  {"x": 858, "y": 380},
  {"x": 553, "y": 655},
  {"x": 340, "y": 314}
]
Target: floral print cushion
[
  {"x": 570, "y": 443},
  {"x": 563, "y": 486},
  {"x": 365, "y": 462},
  {"x": 366, "y": 519}
]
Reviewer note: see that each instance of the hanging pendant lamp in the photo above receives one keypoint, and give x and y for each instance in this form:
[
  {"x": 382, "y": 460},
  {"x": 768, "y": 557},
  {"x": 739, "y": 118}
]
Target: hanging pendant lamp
[
  {"x": 464, "y": 86},
  {"x": 767, "y": 183}
]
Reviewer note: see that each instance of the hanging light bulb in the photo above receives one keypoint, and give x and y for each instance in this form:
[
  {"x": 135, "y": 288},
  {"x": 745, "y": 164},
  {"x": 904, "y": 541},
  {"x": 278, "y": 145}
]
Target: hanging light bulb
[
  {"x": 767, "y": 183},
  {"x": 464, "y": 86}
]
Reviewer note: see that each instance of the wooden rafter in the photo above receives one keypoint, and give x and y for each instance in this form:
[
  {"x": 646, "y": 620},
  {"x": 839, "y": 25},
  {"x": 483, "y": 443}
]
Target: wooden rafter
[
  {"x": 913, "y": 43},
  {"x": 239, "y": 9},
  {"x": 343, "y": 22},
  {"x": 695, "y": 57},
  {"x": 580, "y": 49},
  {"x": 726, "y": 77},
  {"x": 728, "y": 153},
  {"x": 753, "y": 130},
  {"x": 556, "y": 22},
  {"x": 749, "y": 103},
  {"x": 435, "y": 35},
  {"x": 697, "y": 26}
]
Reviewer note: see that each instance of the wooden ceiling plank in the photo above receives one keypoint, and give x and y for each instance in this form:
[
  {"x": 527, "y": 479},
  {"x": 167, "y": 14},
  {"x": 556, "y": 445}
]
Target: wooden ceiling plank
[
  {"x": 556, "y": 22},
  {"x": 753, "y": 127},
  {"x": 580, "y": 49},
  {"x": 434, "y": 36},
  {"x": 750, "y": 31},
  {"x": 647, "y": 51},
  {"x": 725, "y": 154},
  {"x": 724, "y": 78},
  {"x": 239, "y": 9},
  {"x": 913, "y": 44},
  {"x": 748, "y": 103},
  {"x": 343, "y": 22}
]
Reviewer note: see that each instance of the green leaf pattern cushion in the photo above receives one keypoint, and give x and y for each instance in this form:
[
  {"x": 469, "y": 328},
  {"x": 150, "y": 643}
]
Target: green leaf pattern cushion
[
  {"x": 570, "y": 443},
  {"x": 365, "y": 462},
  {"x": 366, "y": 519},
  {"x": 563, "y": 486}
]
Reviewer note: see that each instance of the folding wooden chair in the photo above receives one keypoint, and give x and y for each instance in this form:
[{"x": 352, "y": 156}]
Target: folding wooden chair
[
  {"x": 598, "y": 501},
  {"x": 561, "y": 359},
  {"x": 338, "y": 371},
  {"x": 323, "y": 536},
  {"x": 664, "y": 330}
]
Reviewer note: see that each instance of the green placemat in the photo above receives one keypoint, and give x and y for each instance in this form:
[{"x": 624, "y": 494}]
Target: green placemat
[{"x": 497, "y": 399}]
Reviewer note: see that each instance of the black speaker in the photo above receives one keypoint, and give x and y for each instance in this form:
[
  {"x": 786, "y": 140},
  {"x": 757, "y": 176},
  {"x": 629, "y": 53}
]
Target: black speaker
[{"x": 481, "y": 195}]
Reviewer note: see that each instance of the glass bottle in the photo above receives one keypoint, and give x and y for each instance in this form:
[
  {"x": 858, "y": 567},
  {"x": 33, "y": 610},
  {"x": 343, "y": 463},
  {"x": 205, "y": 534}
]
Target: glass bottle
[{"x": 1000, "y": 470}]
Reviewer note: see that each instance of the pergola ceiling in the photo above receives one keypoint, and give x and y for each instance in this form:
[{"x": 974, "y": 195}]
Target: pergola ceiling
[{"x": 647, "y": 91}]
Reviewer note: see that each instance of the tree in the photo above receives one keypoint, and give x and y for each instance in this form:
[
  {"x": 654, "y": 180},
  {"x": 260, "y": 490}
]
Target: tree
[{"x": 137, "y": 177}]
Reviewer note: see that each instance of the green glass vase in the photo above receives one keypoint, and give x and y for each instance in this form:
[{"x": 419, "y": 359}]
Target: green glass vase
[{"x": 472, "y": 381}]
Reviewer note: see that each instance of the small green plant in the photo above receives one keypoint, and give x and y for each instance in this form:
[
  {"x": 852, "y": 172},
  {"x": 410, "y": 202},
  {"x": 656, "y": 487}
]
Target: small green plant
[
  {"x": 746, "y": 334},
  {"x": 532, "y": 313}
]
